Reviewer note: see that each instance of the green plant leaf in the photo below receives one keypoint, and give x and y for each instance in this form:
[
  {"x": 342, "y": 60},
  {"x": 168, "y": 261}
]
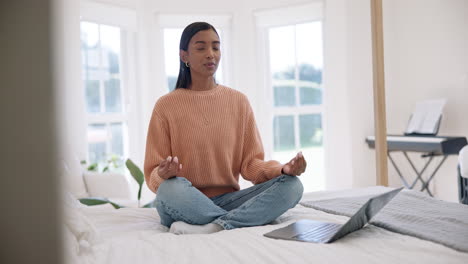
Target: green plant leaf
[
  {"x": 97, "y": 201},
  {"x": 137, "y": 175},
  {"x": 83, "y": 162},
  {"x": 139, "y": 193},
  {"x": 105, "y": 169},
  {"x": 135, "y": 171},
  {"x": 116, "y": 206},
  {"x": 93, "y": 167}
]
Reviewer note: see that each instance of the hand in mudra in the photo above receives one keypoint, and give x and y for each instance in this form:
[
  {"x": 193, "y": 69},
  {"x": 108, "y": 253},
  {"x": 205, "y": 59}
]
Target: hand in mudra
[
  {"x": 169, "y": 168},
  {"x": 296, "y": 166}
]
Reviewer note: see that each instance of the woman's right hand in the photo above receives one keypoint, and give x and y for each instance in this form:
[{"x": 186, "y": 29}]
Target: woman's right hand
[{"x": 169, "y": 168}]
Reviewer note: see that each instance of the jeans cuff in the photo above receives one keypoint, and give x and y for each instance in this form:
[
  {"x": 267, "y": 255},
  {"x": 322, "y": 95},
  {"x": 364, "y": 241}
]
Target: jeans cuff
[{"x": 223, "y": 224}]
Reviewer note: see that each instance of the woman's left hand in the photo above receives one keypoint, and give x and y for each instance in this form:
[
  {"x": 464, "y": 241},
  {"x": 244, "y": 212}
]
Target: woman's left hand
[{"x": 296, "y": 166}]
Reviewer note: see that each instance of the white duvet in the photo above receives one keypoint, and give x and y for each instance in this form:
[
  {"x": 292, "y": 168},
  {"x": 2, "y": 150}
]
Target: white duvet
[{"x": 133, "y": 235}]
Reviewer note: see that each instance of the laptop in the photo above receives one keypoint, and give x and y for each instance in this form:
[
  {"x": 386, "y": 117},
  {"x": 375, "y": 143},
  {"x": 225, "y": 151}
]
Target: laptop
[{"x": 323, "y": 232}]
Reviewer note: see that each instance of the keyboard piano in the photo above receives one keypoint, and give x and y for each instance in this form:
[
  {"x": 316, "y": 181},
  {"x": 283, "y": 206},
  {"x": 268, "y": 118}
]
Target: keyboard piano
[
  {"x": 431, "y": 146},
  {"x": 434, "y": 145}
]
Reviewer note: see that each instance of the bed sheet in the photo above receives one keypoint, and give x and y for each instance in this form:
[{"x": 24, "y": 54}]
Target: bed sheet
[{"x": 134, "y": 235}]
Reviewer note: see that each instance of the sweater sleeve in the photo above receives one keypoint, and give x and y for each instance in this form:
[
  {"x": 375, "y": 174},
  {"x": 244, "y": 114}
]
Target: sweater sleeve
[
  {"x": 253, "y": 167},
  {"x": 157, "y": 149}
]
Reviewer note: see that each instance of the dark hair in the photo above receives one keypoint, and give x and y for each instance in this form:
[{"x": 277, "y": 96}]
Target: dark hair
[{"x": 185, "y": 80}]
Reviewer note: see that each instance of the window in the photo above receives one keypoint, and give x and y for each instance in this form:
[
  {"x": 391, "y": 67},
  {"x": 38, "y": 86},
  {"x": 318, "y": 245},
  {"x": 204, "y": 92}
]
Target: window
[
  {"x": 295, "y": 80},
  {"x": 171, "y": 56},
  {"x": 104, "y": 92}
]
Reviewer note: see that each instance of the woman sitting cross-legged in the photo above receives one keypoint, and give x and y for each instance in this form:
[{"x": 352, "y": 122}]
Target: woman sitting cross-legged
[{"x": 201, "y": 137}]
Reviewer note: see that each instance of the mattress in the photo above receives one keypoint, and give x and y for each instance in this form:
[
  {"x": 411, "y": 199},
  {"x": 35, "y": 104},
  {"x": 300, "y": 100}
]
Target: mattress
[{"x": 133, "y": 235}]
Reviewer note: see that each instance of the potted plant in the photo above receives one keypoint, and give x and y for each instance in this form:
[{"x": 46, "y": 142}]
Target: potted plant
[{"x": 136, "y": 173}]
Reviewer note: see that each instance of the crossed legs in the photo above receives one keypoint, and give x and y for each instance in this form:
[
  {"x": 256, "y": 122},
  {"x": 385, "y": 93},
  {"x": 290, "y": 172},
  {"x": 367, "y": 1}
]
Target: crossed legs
[{"x": 178, "y": 201}]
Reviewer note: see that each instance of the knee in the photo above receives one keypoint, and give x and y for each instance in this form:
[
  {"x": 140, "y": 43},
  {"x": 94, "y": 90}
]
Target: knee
[
  {"x": 171, "y": 187},
  {"x": 293, "y": 188}
]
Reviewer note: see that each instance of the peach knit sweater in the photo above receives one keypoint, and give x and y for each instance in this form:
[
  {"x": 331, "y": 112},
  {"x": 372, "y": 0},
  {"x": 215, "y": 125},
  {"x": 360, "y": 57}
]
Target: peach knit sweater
[{"x": 214, "y": 135}]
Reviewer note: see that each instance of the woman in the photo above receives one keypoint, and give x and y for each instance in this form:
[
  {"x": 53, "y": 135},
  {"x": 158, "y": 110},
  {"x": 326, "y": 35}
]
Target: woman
[{"x": 211, "y": 130}]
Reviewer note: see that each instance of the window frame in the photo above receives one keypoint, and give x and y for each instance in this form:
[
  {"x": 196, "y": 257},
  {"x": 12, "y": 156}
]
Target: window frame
[
  {"x": 265, "y": 20},
  {"x": 288, "y": 16},
  {"x": 298, "y": 109},
  {"x": 125, "y": 19}
]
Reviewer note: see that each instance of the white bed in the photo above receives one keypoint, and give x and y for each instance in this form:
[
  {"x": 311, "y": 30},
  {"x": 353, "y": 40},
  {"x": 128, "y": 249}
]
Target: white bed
[{"x": 133, "y": 235}]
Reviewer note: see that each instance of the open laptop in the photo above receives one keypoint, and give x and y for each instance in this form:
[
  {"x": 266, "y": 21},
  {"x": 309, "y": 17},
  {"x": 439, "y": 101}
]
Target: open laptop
[{"x": 323, "y": 232}]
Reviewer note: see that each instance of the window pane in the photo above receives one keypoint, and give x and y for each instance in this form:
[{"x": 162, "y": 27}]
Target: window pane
[
  {"x": 308, "y": 72},
  {"x": 90, "y": 63},
  {"x": 89, "y": 46},
  {"x": 113, "y": 96},
  {"x": 92, "y": 96},
  {"x": 110, "y": 46},
  {"x": 310, "y": 95},
  {"x": 89, "y": 59},
  {"x": 284, "y": 95},
  {"x": 97, "y": 138},
  {"x": 283, "y": 127},
  {"x": 310, "y": 62},
  {"x": 282, "y": 52},
  {"x": 113, "y": 62},
  {"x": 102, "y": 67},
  {"x": 117, "y": 139},
  {"x": 309, "y": 51},
  {"x": 171, "y": 82},
  {"x": 310, "y": 130},
  {"x": 89, "y": 34},
  {"x": 171, "y": 55},
  {"x": 296, "y": 63}
]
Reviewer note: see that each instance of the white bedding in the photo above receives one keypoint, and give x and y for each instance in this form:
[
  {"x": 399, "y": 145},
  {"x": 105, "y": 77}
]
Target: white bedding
[{"x": 134, "y": 235}]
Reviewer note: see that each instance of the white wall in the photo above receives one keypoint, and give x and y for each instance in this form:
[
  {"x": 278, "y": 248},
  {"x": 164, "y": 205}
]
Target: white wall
[
  {"x": 337, "y": 134},
  {"x": 426, "y": 52},
  {"x": 348, "y": 94},
  {"x": 425, "y": 57}
]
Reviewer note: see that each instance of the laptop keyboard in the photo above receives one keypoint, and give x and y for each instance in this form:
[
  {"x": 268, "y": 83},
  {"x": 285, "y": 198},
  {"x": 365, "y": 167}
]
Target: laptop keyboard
[{"x": 319, "y": 233}]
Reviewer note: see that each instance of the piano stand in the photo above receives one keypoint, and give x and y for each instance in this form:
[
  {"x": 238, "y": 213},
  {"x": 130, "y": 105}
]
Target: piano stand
[
  {"x": 429, "y": 146},
  {"x": 425, "y": 184}
]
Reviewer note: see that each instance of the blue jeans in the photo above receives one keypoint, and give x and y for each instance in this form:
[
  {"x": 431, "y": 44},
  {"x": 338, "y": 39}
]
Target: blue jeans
[{"x": 178, "y": 200}]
